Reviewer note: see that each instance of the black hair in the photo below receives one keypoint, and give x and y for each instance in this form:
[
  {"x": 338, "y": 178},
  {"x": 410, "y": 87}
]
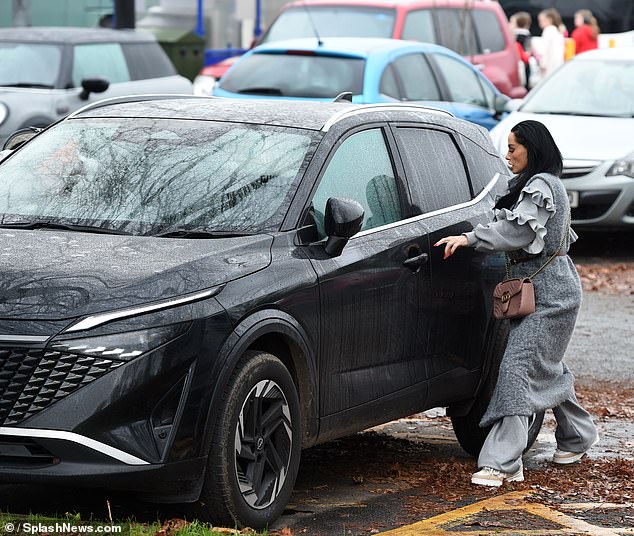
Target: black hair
[{"x": 543, "y": 157}]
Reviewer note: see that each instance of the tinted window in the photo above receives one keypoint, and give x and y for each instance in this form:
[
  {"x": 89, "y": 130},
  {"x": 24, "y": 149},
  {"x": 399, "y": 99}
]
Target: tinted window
[
  {"x": 295, "y": 75},
  {"x": 462, "y": 81},
  {"x": 434, "y": 168},
  {"x": 419, "y": 26},
  {"x": 482, "y": 164},
  {"x": 331, "y": 21},
  {"x": 389, "y": 85},
  {"x": 361, "y": 169},
  {"x": 416, "y": 77},
  {"x": 27, "y": 64},
  {"x": 489, "y": 31},
  {"x": 147, "y": 60},
  {"x": 147, "y": 175},
  {"x": 99, "y": 59},
  {"x": 455, "y": 30}
]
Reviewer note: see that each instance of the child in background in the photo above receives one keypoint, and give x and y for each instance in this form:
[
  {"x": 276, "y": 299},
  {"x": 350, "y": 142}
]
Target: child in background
[
  {"x": 520, "y": 24},
  {"x": 586, "y": 32}
]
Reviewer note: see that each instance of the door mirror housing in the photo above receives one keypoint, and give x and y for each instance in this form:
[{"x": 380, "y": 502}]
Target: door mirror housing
[
  {"x": 93, "y": 85},
  {"x": 500, "y": 104},
  {"x": 513, "y": 105},
  {"x": 343, "y": 219}
]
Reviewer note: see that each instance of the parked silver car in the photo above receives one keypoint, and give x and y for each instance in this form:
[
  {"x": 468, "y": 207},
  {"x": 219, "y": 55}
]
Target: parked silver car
[
  {"x": 588, "y": 106},
  {"x": 46, "y": 73}
]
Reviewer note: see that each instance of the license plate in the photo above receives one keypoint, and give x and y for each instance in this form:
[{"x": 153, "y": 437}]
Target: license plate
[{"x": 573, "y": 199}]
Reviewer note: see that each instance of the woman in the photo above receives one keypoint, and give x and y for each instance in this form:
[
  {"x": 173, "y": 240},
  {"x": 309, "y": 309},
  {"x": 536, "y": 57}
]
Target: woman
[
  {"x": 586, "y": 32},
  {"x": 552, "y": 42},
  {"x": 530, "y": 224}
]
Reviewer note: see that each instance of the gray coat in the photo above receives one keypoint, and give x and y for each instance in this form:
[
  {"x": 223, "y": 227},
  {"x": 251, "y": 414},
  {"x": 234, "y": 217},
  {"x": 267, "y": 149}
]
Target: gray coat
[{"x": 533, "y": 376}]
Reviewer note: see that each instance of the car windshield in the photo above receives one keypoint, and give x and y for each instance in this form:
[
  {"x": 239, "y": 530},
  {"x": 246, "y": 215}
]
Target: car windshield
[
  {"x": 29, "y": 64},
  {"x": 586, "y": 87},
  {"x": 295, "y": 75},
  {"x": 331, "y": 21},
  {"x": 155, "y": 176}
]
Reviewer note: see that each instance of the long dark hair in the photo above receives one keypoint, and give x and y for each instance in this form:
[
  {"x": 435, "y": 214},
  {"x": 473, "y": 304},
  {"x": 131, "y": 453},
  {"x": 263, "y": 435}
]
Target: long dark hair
[{"x": 543, "y": 157}]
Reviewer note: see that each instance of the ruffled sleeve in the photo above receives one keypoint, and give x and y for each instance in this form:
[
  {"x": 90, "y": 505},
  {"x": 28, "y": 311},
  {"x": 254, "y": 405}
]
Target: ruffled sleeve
[{"x": 524, "y": 227}]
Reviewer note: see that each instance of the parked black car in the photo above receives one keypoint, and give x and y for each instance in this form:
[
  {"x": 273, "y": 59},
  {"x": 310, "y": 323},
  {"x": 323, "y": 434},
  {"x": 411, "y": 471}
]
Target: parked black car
[{"x": 193, "y": 289}]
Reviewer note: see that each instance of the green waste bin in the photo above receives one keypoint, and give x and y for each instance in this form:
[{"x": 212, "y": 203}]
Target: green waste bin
[{"x": 183, "y": 47}]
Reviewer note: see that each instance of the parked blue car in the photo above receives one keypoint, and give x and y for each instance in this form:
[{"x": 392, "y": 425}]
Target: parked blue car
[{"x": 373, "y": 70}]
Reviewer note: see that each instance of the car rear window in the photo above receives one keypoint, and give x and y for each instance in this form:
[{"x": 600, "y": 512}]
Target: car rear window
[
  {"x": 147, "y": 60},
  {"x": 331, "y": 21},
  {"x": 295, "y": 75}
]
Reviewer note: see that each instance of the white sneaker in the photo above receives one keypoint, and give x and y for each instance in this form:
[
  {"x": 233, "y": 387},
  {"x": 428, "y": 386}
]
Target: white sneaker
[
  {"x": 487, "y": 476},
  {"x": 563, "y": 457}
]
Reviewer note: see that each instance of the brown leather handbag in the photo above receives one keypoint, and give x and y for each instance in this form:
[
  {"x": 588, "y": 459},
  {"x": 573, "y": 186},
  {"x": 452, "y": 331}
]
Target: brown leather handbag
[{"x": 515, "y": 297}]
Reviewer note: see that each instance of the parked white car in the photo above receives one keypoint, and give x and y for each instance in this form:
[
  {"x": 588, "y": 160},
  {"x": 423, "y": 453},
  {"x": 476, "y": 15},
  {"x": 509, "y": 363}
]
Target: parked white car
[
  {"x": 46, "y": 73},
  {"x": 588, "y": 106}
]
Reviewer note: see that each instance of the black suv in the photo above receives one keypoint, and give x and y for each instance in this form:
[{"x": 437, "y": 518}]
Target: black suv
[{"x": 194, "y": 289}]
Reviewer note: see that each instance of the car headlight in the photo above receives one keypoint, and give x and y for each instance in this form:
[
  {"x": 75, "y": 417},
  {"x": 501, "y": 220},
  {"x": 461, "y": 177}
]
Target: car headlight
[
  {"x": 120, "y": 346},
  {"x": 4, "y": 112},
  {"x": 204, "y": 85},
  {"x": 624, "y": 166}
]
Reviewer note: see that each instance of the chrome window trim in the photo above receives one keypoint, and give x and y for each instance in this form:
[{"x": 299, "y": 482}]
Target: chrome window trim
[
  {"x": 378, "y": 108},
  {"x": 30, "y": 339},
  {"x": 96, "y": 320},
  {"x": 63, "y": 435},
  {"x": 420, "y": 217}
]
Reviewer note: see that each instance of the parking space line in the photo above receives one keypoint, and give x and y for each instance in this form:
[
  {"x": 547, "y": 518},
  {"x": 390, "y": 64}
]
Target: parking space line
[{"x": 516, "y": 500}]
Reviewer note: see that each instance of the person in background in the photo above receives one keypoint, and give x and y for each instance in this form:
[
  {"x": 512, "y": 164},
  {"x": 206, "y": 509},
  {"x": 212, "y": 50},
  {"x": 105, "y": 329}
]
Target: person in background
[
  {"x": 586, "y": 32},
  {"x": 520, "y": 24},
  {"x": 553, "y": 45}
]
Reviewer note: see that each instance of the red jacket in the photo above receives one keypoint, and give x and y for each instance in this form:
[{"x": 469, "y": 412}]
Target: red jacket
[{"x": 584, "y": 39}]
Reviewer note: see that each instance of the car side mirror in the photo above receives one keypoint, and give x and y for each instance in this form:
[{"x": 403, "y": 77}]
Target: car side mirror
[
  {"x": 513, "y": 105},
  {"x": 20, "y": 137},
  {"x": 93, "y": 85},
  {"x": 343, "y": 219},
  {"x": 500, "y": 103}
]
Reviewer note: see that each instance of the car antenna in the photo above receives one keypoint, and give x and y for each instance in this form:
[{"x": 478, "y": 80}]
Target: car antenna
[
  {"x": 345, "y": 96},
  {"x": 312, "y": 24}
]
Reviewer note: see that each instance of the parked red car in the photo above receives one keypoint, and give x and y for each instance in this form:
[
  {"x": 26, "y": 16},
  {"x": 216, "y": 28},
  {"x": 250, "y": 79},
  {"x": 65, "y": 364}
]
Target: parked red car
[{"x": 478, "y": 30}]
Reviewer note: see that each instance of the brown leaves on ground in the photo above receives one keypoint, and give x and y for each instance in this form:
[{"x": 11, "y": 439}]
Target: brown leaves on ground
[
  {"x": 611, "y": 278},
  {"x": 607, "y": 400},
  {"x": 172, "y": 526}
]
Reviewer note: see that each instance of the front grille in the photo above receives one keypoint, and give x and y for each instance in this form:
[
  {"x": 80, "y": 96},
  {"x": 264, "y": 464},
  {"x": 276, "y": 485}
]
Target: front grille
[
  {"x": 31, "y": 380},
  {"x": 571, "y": 173},
  {"x": 593, "y": 204}
]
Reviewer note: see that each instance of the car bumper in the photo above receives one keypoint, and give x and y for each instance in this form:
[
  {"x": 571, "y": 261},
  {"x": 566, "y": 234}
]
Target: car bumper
[{"x": 603, "y": 201}]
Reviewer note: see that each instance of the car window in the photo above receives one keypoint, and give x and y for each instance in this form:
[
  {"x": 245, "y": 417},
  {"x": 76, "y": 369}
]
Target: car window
[
  {"x": 455, "y": 31},
  {"x": 331, "y": 21},
  {"x": 416, "y": 78},
  {"x": 419, "y": 26},
  {"x": 389, "y": 85},
  {"x": 147, "y": 60},
  {"x": 143, "y": 175},
  {"x": 29, "y": 65},
  {"x": 99, "y": 60},
  {"x": 361, "y": 169},
  {"x": 462, "y": 81},
  {"x": 434, "y": 167},
  {"x": 295, "y": 75},
  {"x": 489, "y": 32}
]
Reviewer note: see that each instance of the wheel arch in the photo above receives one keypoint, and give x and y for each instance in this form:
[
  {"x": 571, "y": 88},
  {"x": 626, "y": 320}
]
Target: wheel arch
[{"x": 281, "y": 335}]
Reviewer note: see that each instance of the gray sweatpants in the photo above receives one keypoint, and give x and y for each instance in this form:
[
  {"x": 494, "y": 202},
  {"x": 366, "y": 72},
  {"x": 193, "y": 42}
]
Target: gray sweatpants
[{"x": 505, "y": 443}]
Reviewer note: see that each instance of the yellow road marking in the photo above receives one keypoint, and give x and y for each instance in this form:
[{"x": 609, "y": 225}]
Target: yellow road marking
[{"x": 515, "y": 500}]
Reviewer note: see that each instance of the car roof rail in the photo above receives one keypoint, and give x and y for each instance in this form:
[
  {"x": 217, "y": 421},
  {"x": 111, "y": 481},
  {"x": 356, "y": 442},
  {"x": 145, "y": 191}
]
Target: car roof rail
[
  {"x": 134, "y": 98},
  {"x": 364, "y": 108},
  {"x": 346, "y": 96}
]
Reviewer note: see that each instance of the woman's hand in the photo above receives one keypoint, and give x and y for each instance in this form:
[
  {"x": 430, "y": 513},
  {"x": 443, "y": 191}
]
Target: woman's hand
[{"x": 452, "y": 243}]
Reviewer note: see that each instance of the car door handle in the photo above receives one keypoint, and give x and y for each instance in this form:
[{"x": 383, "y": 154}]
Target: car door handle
[{"x": 416, "y": 262}]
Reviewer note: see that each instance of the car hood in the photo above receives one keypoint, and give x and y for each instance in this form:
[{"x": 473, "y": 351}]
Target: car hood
[
  {"x": 578, "y": 137},
  {"x": 50, "y": 275}
]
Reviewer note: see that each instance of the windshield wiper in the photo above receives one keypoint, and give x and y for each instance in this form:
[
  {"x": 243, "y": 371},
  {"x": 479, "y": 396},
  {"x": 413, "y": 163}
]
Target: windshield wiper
[
  {"x": 43, "y": 224},
  {"x": 27, "y": 84},
  {"x": 582, "y": 114},
  {"x": 200, "y": 232},
  {"x": 262, "y": 91}
]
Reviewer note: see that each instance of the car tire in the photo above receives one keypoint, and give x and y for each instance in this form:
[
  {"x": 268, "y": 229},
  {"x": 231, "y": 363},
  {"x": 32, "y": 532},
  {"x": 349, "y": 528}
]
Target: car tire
[
  {"x": 467, "y": 427},
  {"x": 249, "y": 485}
]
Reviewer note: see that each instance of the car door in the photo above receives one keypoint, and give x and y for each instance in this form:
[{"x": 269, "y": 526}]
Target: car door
[
  {"x": 471, "y": 98},
  {"x": 442, "y": 194},
  {"x": 372, "y": 335}
]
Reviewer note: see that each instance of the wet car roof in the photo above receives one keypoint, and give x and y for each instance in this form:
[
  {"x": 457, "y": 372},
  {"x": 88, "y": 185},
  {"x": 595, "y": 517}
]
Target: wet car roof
[{"x": 73, "y": 35}]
